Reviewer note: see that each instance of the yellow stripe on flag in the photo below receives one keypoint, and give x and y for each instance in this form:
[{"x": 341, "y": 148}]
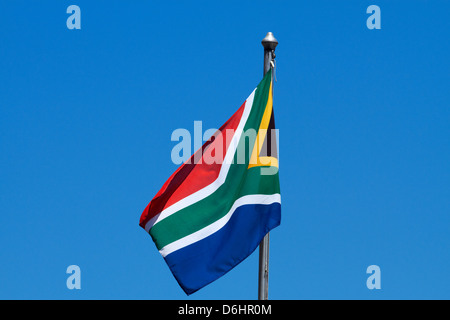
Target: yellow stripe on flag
[{"x": 255, "y": 159}]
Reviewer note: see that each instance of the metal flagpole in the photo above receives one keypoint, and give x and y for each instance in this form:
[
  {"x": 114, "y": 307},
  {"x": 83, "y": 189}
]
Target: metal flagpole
[{"x": 269, "y": 43}]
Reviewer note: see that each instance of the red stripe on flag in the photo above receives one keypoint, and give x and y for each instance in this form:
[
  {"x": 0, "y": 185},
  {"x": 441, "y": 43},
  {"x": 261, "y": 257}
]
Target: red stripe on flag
[{"x": 191, "y": 177}]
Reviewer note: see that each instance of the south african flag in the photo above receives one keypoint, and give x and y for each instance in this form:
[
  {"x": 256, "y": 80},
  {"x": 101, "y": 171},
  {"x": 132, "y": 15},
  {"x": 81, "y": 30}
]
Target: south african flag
[{"x": 216, "y": 208}]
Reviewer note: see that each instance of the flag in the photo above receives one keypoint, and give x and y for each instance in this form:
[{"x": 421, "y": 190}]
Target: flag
[{"x": 216, "y": 208}]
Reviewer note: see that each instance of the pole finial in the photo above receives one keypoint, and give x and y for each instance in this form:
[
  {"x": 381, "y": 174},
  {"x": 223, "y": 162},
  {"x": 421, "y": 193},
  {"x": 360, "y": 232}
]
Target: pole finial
[{"x": 269, "y": 42}]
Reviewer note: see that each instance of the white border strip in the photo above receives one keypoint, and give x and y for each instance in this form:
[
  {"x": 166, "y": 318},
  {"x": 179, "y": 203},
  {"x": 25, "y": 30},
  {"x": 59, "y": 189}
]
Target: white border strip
[
  {"x": 211, "y": 188},
  {"x": 219, "y": 224}
]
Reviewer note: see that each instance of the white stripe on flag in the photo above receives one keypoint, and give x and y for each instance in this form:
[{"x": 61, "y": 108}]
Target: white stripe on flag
[{"x": 219, "y": 224}]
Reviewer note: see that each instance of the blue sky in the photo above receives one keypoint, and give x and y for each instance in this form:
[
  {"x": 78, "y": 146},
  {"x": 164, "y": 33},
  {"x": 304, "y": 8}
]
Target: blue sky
[{"x": 86, "y": 118}]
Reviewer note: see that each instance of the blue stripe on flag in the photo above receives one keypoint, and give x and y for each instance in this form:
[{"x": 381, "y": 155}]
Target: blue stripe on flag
[{"x": 204, "y": 261}]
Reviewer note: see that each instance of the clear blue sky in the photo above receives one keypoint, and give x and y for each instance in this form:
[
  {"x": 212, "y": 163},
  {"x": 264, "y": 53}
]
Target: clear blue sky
[{"x": 86, "y": 118}]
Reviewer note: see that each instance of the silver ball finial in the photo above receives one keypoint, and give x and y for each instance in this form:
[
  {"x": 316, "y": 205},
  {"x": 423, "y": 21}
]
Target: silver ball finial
[{"x": 269, "y": 42}]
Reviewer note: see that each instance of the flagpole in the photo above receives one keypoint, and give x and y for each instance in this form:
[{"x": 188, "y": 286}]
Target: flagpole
[{"x": 269, "y": 43}]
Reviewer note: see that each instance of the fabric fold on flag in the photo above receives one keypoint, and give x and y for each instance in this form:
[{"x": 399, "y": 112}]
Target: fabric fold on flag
[{"x": 211, "y": 215}]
